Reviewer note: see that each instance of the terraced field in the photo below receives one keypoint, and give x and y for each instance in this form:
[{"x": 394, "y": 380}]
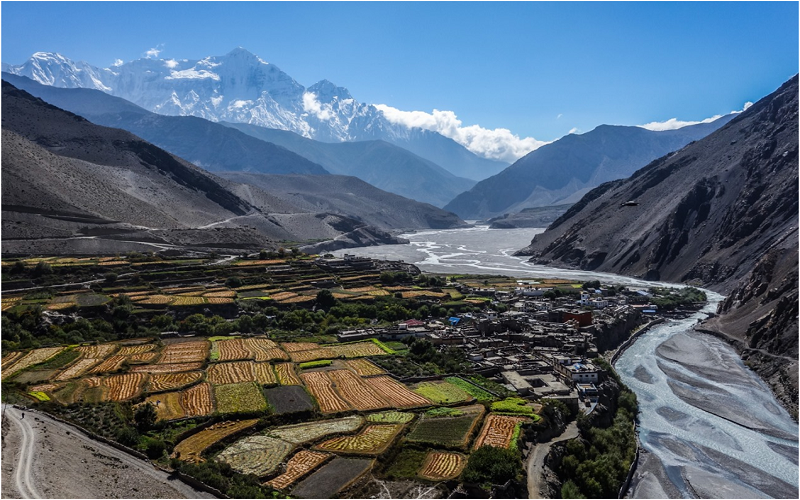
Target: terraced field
[
  {"x": 77, "y": 368},
  {"x": 288, "y": 399},
  {"x": 440, "y": 465},
  {"x": 310, "y": 355},
  {"x": 390, "y": 417},
  {"x": 321, "y": 388},
  {"x": 259, "y": 455},
  {"x": 286, "y": 374},
  {"x": 364, "y": 368},
  {"x": 373, "y": 440},
  {"x": 498, "y": 430},
  {"x": 239, "y": 398},
  {"x": 442, "y": 392},
  {"x": 135, "y": 349},
  {"x": 192, "y": 447},
  {"x": 230, "y": 373},
  {"x": 233, "y": 349},
  {"x": 353, "y": 390},
  {"x": 262, "y": 349},
  {"x": 185, "y": 352},
  {"x": 167, "y": 405},
  {"x": 303, "y": 462},
  {"x": 168, "y": 368},
  {"x": 198, "y": 401},
  {"x": 264, "y": 374},
  {"x": 99, "y": 351},
  {"x": 125, "y": 386},
  {"x": 333, "y": 477},
  {"x": 355, "y": 350},
  {"x": 110, "y": 364},
  {"x": 311, "y": 431},
  {"x": 169, "y": 381},
  {"x": 447, "y": 431},
  {"x": 396, "y": 393},
  {"x": 33, "y": 357}
]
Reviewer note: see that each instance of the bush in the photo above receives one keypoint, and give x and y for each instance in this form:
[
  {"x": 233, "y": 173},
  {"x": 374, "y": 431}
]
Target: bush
[
  {"x": 154, "y": 448},
  {"x": 490, "y": 465}
]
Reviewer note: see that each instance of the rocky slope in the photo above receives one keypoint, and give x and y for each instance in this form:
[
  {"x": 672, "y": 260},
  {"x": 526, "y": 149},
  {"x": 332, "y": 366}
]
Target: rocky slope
[
  {"x": 204, "y": 143},
  {"x": 250, "y": 148},
  {"x": 529, "y": 217},
  {"x": 348, "y": 196},
  {"x": 721, "y": 212},
  {"x": 241, "y": 87},
  {"x": 73, "y": 187},
  {"x": 377, "y": 162},
  {"x": 563, "y": 171}
]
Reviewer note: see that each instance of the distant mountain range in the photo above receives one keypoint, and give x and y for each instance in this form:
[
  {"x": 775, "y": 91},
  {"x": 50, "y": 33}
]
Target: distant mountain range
[
  {"x": 250, "y": 148},
  {"x": 379, "y": 163},
  {"x": 563, "y": 171},
  {"x": 240, "y": 87},
  {"x": 70, "y": 186},
  {"x": 721, "y": 213}
]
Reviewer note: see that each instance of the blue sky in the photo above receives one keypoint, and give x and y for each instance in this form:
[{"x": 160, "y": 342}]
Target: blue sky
[{"x": 538, "y": 69}]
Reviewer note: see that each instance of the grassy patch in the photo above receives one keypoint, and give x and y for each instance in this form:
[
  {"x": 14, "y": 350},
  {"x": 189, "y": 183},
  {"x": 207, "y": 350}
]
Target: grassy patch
[
  {"x": 513, "y": 406},
  {"x": 239, "y": 398},
  {"x": 40, "y": 395},
  {"x": 471, "y": 389},
  {"x": 391, "y": 417},
  {"x": 60, "y": 360},
  {"x": 443, "y": 412},
  {"x": 442, "y": 392},
  {"x": 406, "y": 464},
  {"x": 383, "y": 346},
  {"x": 315, "y": 364}
]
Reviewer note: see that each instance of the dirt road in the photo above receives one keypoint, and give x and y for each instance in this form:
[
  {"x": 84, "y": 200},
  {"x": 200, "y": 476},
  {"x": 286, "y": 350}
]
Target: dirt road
[
  {"x": 44, "y": 458},
  {"x": 537, "y": 456}
]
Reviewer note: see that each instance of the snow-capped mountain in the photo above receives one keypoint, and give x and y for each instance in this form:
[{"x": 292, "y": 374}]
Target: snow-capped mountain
[{"x": 241, "y": 87}]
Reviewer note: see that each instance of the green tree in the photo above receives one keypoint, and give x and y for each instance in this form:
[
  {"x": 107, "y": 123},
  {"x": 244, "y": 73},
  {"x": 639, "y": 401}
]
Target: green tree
[
  {"x": 325, "y": 299},
  {"x": 145, "y": 417},
  {"x": 233, "y": 282},
  {"x": 492, "y": 465}
]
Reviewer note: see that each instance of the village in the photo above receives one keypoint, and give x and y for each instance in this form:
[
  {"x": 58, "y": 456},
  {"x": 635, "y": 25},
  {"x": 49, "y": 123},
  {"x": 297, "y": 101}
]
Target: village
[
  {"x": 541, "y": 346},
  {"x": 231, "y": 356}
]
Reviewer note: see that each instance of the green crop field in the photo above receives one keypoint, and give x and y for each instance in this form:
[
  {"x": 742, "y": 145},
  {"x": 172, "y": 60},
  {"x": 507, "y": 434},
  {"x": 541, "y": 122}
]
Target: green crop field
[
  {"x": 471, "y": 389},
  {"x": 239, "y": 398},
  {"x": 446, "y": 431},
  {"x": 442, "y": 392}
]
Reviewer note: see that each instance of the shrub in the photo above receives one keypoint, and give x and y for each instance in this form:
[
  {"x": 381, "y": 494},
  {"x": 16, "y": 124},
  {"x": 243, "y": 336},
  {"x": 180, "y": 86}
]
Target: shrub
[{"x": 492, "y": 465}]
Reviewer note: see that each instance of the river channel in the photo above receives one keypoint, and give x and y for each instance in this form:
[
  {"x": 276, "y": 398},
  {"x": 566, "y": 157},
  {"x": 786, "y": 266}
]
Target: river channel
[{"x": 711, "y": 428}]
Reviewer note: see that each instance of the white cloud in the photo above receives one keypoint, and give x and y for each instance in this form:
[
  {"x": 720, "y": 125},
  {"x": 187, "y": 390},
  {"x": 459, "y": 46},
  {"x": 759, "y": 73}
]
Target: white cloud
[
  {"x": 312, "y": 105},
  {"x": 674, "y": 123},
  {"x": 171, "y": 63},
  {"x": 154, "y": 52},
  {"x": 559, "y": 116},
  {"x": 497, "y": 144},
  {"x": 574, "y": 130},
  {"x": 118, "y": 62}
]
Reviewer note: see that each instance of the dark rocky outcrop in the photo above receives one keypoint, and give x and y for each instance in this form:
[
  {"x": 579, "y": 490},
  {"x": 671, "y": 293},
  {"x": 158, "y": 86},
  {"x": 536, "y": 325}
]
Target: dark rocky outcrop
[
  {"x": 722, "y": 213},
  {"x": 529, "y": 217}
]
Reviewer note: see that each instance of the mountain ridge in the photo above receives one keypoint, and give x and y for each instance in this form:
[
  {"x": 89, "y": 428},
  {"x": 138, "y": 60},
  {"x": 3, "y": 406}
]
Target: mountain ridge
[
  {"x": 564, "y": 170},
  {"x": 241, "y": 87},
  {"x": 721, "y": 213}
]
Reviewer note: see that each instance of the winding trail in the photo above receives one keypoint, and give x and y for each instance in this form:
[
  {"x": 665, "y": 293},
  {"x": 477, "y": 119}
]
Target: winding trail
[
  {"x": 35, "y": 464},
  {"x": 537, "y": 456},
  {"x": 22, "y": 477}
]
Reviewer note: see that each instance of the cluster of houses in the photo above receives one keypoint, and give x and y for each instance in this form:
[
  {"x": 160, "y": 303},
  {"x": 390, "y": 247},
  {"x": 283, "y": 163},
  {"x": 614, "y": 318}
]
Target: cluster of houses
[{"x": 540, "y": 346}]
